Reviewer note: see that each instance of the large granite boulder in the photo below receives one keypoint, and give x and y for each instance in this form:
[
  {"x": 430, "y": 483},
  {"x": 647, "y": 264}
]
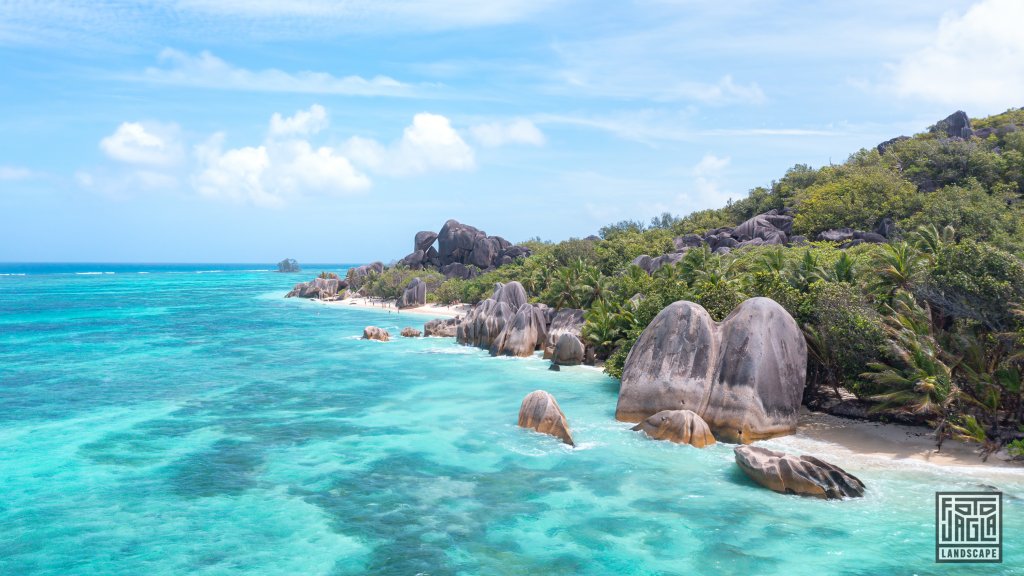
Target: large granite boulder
[
  {"x": 523, "y": 335},
  {"x": 766, "y": 227},
  {"x": 744, "y": 377},
  {"x": 679, "y": 426},
  {"x": 512, "y": 294},
  {"x": 424, "y": 240},
  {"x": 360, "y": 272},
  {"x": 375, "y": 333},
  {"x": 568, "y": 350},
  {"x": 443, "y": 327},
  {"x": 410, "y": 332},
  {"x": 956, "y": 125},
  {"x": 484, "y": 323},
  {"x": 415, "y": 294},
  {"x": 413, "y": 261},
  {"x": 288, "y": 265},
  {"x": 485, "y": 252},
  {"x": 459, "y": 270},
  {"x": 455, "y": 242},
  {"x": 541, "y": 412},
  {"x": 804, "y": 475},
  {"x": 320, "y": 288}
]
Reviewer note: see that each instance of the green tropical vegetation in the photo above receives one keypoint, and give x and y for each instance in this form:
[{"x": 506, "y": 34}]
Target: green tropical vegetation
[{"x": 927, "y": 327}]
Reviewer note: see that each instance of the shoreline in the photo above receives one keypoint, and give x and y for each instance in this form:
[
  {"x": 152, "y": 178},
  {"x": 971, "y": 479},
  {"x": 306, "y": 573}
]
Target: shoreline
[
  {"x": 886, "y": 445},
  {"x": 867, "y": 443},
  {"x": 434, "y": 310}
]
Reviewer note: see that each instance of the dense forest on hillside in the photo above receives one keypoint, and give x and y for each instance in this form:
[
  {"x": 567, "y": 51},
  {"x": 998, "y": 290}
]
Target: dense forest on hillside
[{"x": 927, "y": 325}]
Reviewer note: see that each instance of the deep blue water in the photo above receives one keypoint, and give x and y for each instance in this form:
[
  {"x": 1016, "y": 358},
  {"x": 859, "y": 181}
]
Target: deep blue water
[{"x": 175, "y": 422}]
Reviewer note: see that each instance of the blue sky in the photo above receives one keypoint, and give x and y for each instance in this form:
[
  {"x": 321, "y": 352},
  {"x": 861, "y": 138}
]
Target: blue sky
[{"x": 251, "y": 130}]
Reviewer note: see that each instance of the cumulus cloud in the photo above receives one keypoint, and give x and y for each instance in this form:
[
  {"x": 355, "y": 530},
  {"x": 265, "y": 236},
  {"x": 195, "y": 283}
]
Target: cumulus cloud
[
  {"x": 429, "y": 143},
  {"x": 14, "y": 173},
  {"x": 284, "y": 166},
  {"x": 707, "y": 175},
  {"x": 208, "y": 71},
  {"x": 519, "y": 131},
  {"x": 304, "y": 122},
  {"x": 138, "y": 143},
  {"x": 974, "y": 60}
]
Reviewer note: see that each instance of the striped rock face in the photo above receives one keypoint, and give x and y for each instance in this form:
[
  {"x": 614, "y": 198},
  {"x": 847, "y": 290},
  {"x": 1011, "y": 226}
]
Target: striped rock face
[{"x": 744, "y": 377}]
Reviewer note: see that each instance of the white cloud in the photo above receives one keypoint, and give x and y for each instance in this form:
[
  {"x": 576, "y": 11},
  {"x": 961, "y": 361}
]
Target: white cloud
[
  {"x": 974, "y": 60},
  {"x": 304, "y": 122},
  {"x": 207, "y": 71},
  {"x": 137, "y": 143},
  {"x": 518, "y": 131},
  {"x": 707, "y": 176},
  {"x": 14, "y": 173},
  {"x": 429, "y": 143},
  {"x": 273, "y": 172}
]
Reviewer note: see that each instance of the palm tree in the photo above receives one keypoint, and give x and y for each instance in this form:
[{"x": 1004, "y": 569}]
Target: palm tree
[
  {"x": 929, "y": 239},
  {"x": 772, "y": 262},
  {"x": 844, "y": 269},
  {"x": 897, "y": 267},
  {"x": 806, "y": 272}
]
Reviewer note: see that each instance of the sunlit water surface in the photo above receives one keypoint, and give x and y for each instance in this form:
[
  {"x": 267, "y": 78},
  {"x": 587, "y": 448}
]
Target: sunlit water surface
[{"x": 176, "y": 422}]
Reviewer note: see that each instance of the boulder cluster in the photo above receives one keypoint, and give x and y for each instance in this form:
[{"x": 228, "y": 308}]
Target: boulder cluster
[
  {"x": 319, "y": 288},
  {"x": 375, "y": 333},
  {"x": 507, "y": 325},
  {"x": 744, "y": 377},
  {"x": 288, "y": 265},
  {"x": 442, "y": 327},
  {"x": 462, "y": 251},
  {"x": 774, "y": 227}
]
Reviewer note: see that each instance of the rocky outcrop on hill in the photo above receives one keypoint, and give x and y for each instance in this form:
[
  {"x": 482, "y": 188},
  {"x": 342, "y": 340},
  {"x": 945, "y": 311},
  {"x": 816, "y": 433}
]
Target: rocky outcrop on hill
[
  {"x": 288, "y": 265},
  {"x": 774, "y": 227},
  {"x": 956, "y": 125},
  {"x": 541, "y": 412},
  {"x": 461, "y": 249},
  {"x": 744, "y": 377},
  {"x": 356, "y": 276},
  {"x": 679, "y": 426},
  {"x": 804, "y": 475},
  {"x": 375, "y": 333},
  {"x": 443, "y": 327},
  {"x": 410, "y": 332},
  {"x": 319, "y": 288},
  {"x": 415, "y": 295}
]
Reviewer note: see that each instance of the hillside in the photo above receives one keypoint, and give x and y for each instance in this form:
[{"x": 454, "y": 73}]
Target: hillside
[{"x": 902, "y": 266}]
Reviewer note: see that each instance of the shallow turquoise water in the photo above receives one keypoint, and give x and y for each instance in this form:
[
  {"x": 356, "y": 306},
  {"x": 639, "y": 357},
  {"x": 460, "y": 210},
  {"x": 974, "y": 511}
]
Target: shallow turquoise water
[{"x": 183, "y": 423}]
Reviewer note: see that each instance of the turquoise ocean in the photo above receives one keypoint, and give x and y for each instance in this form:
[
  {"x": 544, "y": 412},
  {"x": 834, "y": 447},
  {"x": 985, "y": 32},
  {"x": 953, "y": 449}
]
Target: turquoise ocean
[{"x": 187, "y": 419}]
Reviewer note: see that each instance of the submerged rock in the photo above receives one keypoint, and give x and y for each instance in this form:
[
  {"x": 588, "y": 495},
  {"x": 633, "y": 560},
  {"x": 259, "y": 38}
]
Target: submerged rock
[
  {"x": 375, "y": 333},
  {"x": 444, "y": 327},
  {"x": 679, "y": 426},
  {"x": 541, "y": 412},
  {"x": 803, "y": 475},
  {"x": 410, "y": 332},
  {"x": 744, "y": 377},
  {"x": 288, "y": 265}
]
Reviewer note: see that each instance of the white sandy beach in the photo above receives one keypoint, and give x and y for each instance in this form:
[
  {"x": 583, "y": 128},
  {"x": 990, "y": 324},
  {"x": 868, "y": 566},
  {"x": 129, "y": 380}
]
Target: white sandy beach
[
  {"x": 885, "y": 445},
  {"x": 434, "y": 310}
]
